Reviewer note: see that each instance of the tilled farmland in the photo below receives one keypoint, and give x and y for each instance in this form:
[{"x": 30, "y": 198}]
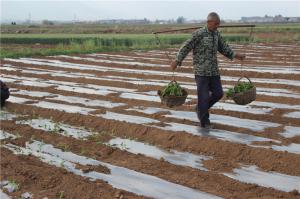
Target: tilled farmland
[{"x": 92, "y": 126}]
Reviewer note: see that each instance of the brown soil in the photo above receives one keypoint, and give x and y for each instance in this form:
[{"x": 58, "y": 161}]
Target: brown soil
[{"x": 43, "y": 180}]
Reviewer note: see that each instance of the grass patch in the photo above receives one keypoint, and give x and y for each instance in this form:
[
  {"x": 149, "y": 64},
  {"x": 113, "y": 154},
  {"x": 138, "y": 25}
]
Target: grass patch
[
  {"x": 32, "y": 44},
  {"x": 57, "y": 40},
  {"x": 137, "y": 28}
]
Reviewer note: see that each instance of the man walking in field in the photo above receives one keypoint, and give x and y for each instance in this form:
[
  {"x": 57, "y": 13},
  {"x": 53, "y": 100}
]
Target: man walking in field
[
  {"x": 4, "y": 93},
  {"x": 205, "y": 43}
]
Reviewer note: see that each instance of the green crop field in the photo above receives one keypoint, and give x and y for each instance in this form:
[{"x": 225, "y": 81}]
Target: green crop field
[
  {"x": 21, "y": 40},
  {"x": 29, "y": 44},
  {"x": 134, "y": 29}
]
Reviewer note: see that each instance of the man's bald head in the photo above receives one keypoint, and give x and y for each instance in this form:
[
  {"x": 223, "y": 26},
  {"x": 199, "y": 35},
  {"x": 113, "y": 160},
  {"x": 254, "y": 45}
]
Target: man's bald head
[
  {"x": 213, "y": 17},
  {"x": 213, "y": 21}
]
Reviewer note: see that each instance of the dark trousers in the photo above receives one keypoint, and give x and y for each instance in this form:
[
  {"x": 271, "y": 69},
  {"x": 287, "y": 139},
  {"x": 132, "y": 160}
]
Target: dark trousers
[
  {"x": 209, "y": 91},
  {"x": 4, "y": 96}
]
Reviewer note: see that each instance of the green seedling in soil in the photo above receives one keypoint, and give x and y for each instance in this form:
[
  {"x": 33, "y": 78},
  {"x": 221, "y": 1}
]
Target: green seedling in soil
[
  {"x": 19, "y": 150},
  {"x": 34, "y": 115},
  {"x": 109, "y": 132},
  {"x": 64, "y": 147},
  {"x": 32, "y": 137},
  {"x": 103, "y": 132},
  {"x": 91, "y": 129},
  {"x": 19, "y": 135},
  {"x": 41, "y": 145},
  {"x": 93, "y": 137},
  {"x": 113, "y": 132},
  {"x": 172, "y": 89},
  {"x": 123, "y": 145},
  {"x": 14, "y": 185},
  {"x": 129, "y": 137},
  {"x": 62, "y": 164},
  {"x": 56, "y": 128},
  {"x": 51, "y": 161},
  {"x": 96, "y": 137},
  {"x": 94, "y": 157},
  {"x": 239, "y": 88},
  {"x": 110, "y": 145},
  {"x": 46, "y": 127},
  {"x": 61, "y": 194},
  {"x": 64, "y": 132},
  {"x": 83, "y": 151}
]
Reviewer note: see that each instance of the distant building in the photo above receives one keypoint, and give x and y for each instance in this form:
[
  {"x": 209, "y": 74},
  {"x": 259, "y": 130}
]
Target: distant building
[
  {"x": 124, "y": 21},
  {"x": 293, "y": 19},
  {"x": 270, "y": 19}
]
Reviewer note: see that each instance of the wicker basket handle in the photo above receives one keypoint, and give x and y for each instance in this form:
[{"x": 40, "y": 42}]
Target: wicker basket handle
[
  {"x": 173, "y": 81},
  {"x": 242, "y": 78}
]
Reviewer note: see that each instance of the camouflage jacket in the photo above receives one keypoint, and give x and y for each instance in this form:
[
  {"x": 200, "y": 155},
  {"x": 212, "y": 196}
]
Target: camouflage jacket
[{"x": 205, "y": 45}]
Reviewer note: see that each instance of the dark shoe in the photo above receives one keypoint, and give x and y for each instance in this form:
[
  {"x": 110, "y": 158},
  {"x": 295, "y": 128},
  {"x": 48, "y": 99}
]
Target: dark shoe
[
  {"x": 206, "y": 124},
  {"x": 205, "y": 118}
]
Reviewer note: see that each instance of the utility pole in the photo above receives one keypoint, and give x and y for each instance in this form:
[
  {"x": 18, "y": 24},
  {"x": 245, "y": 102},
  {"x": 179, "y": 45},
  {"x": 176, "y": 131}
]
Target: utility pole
[
  {"x": 75, "y": 18},
  {"x": 29, "y": 18}
]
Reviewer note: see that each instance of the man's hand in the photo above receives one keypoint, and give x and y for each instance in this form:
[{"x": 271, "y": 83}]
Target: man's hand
[
  {"x": 173, "y": 65},
  {"x": 240, "y": 56}
]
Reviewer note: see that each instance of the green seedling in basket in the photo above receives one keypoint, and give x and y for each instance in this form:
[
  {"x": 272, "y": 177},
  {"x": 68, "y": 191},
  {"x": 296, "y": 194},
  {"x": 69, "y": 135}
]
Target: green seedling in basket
[
  {"x": 172, "y": 89},
  {"x": 239, "y": 88}
]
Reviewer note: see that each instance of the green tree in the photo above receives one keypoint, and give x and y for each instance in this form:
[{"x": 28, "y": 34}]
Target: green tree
[{"x": 180, "y": 20}]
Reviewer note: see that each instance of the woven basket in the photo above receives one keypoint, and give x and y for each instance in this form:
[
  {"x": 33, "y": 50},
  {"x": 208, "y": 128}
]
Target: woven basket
[
  {"x": 171, "y": 101},
  {"x": 246, "y": 97}
]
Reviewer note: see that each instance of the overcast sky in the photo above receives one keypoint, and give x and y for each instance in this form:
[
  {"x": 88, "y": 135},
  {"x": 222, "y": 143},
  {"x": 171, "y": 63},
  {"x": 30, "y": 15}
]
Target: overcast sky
[{"x": 95, "y": 10}]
